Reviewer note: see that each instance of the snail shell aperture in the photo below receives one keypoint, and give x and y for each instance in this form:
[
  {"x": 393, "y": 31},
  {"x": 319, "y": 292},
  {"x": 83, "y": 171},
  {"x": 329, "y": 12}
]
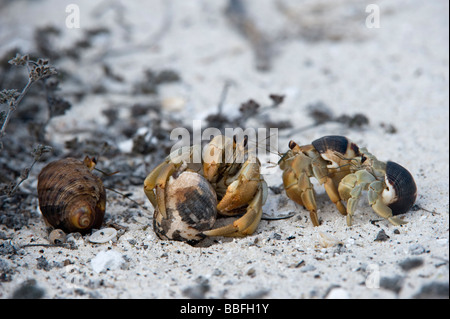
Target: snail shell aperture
[
  {"x": 190, "y": 208},
  {"x": 402, "y": 190},
  {"x": 71, "y": 198}
]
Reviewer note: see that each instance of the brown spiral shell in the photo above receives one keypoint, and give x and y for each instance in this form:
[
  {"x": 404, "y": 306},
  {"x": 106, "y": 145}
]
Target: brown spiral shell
[{"x": 71, "y": 198}]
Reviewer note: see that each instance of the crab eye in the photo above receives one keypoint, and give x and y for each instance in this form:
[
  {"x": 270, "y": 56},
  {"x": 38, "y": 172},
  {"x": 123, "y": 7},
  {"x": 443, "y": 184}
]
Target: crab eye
[
  {"x": 244, "y": 141},
  {"x": 292, "y": 144}
]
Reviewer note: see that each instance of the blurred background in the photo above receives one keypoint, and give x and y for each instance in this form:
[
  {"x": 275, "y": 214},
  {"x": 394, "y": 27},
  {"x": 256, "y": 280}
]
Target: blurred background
[{"x": 129, "y": 72}]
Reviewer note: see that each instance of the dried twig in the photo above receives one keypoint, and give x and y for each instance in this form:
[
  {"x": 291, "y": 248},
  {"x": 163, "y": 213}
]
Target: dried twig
[
  {"x": 37, "y": 152},
  {"x": 37, "y": 70},
  {"x": 63, "y": 245}
]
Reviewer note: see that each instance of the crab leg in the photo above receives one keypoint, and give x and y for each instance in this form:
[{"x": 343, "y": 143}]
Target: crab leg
[
  {"x": 213, "y": 156},
  {"x": 150, "y": 183},
  {"x": 320, "y": 170},
  {"x": 298, "y": 186},
  {"x": 247, "y": 224},
  {"x": 291, "y": 185},
  {"x": 157, "y": 180},
  {"x": 333, "y": 194},
  {"x": 350, "y": 189}
]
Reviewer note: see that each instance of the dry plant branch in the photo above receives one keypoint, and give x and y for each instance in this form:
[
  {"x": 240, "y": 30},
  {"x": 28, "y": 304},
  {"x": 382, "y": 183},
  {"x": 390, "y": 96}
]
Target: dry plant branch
[{"x": 37, "y": 70}]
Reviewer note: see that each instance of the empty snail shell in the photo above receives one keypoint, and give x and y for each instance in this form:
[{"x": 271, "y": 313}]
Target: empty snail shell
[
  {"x": 190, "y": 208},
  {"x": 71, "y": 198}
]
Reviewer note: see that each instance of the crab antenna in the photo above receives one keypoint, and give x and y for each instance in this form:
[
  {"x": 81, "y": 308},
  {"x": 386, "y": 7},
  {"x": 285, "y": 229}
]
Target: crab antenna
[
  {"x": 127, "y": 196},
  {"x": 267, "y": 149},
  {"x": 106, "y": 174},
  {"x": 273, "y": 164},
  {"x": 341, "y": 156}
]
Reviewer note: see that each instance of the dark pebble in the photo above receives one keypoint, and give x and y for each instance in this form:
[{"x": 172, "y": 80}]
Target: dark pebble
[
  {"x": 381, "y": 236},
  {"x": 394, "y": 284},
  {"x": 434, "y": 290},
  {"x": 411, "y": 263},
  {"x": 28, "y": 290}
]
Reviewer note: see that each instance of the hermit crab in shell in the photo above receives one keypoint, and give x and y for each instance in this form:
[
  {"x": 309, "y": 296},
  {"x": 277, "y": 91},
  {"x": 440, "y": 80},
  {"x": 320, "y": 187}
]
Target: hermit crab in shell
[
  {"x": 390, "y": 187},
  {"x": 187, "y": 195},
  {"x": 345, "y": 170}
]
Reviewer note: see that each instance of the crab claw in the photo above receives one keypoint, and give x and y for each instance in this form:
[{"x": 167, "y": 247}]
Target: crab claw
[
  {"x": 247, "y": 224},
  {"x": 247, "y": 187},
  {"x": 242, "y": 189}
]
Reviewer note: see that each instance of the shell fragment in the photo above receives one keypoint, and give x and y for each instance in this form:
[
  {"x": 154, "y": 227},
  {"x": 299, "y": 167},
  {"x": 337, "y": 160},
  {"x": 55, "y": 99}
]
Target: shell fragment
[{"x": 103, "y": 235}]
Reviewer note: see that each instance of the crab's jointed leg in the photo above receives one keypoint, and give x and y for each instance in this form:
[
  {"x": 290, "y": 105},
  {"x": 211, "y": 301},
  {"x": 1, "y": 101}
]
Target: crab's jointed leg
[
  {"x": 298, "y": 186},
  {"x": 150, "y": 183},
  {"x": 321, "y": 172},
  {"x": 350, "y": 189},
  {"x": 157, "y": 180},
  {"x": 221, "y": 151}
]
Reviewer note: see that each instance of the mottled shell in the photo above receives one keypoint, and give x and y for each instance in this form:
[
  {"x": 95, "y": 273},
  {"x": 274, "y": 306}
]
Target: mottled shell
[
  {"x": 402, "y": 190},
  {"x": 190, "y": 207},
  {"x": 71, "y": 198},
  {"x": 328, "y": 146}
]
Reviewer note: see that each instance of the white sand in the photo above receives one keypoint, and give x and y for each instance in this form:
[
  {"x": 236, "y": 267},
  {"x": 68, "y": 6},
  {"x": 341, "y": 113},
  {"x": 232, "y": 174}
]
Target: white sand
[{"x": 396, "y": 74}]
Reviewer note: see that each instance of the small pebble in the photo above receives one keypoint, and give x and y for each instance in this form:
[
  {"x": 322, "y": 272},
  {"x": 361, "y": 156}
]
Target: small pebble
[
  {"x": 173, "y": 103},
  {"x": 199, "y": 290},
  {"x": 276, "y": 236},
  {"x": 416, "y": 249},
  {"x": 103, "y": 235},
  {"x": 394, "y": 284},
  {"x": 338, "y": 293},
  {"x": 381, "y": 236},
  {"x": 28, "y": 290},
  {"x": 107, "y": 260},
  {"x": 57, "y": 236},
  {"x": 411, "y": 263},
  {"x": 327, "y": 240},
  {"x": 433, "y": 290},
  {"x": 308, "y": 268},
  {"x": 251, "y": 272}
]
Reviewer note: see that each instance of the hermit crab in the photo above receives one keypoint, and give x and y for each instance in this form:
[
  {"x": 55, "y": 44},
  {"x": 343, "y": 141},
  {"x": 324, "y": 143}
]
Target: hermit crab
[
  {"x": 187, "y": 194},
  {"x": 390, "y": 187},
  {"x": 71, "y": 198},
  {"x": 345, "y": 170}
]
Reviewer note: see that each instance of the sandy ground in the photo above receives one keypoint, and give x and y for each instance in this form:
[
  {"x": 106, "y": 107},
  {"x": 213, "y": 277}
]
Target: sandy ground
[{"x": 396, "y": 75}]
